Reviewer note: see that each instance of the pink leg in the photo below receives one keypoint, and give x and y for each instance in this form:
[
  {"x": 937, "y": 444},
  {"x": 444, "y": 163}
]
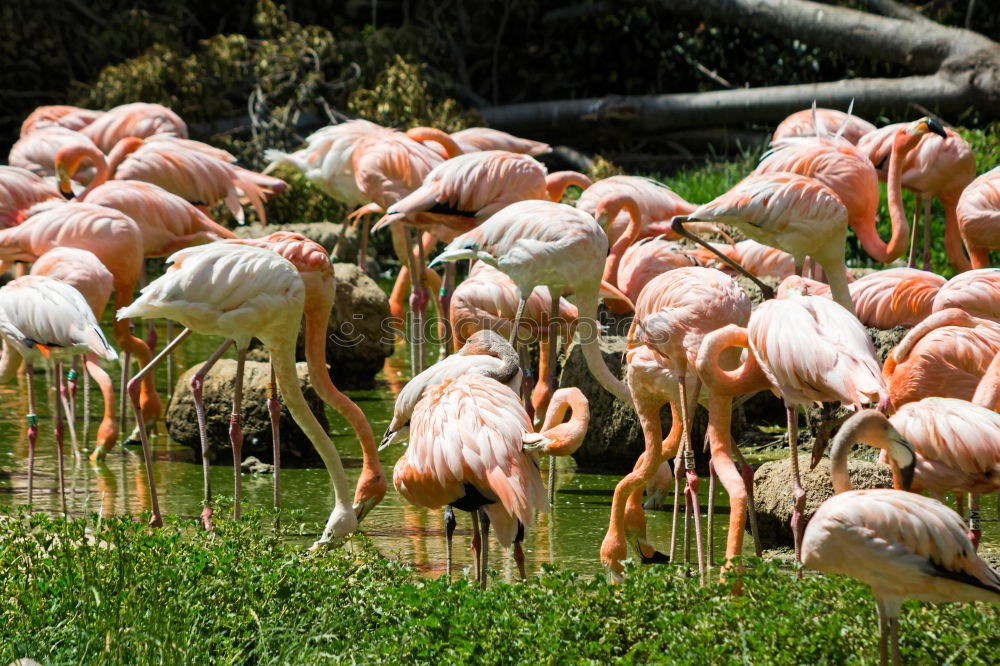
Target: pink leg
[
  {"x": 798, "y": 493},
  {"x": 363, "y": 245},
  {"x": 746, "y": 471},
  {"x": 444, "y": 308},
  {"x": 71, "y": 388},
  {"x": 60, "y": 389},
  {"x": 32, "y": 427},
  {"x": 236, "y": 433},
  {"x": 133, "y": 390},
  {"x": 274, "y": 411},
  {"x": 975, "y": 529},
  {"x": 197, "y": 383}
]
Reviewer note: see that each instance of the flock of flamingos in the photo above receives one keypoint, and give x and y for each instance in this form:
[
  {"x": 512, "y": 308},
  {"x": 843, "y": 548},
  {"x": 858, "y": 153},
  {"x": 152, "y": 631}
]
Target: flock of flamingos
[{"x": 89, "y": 195}]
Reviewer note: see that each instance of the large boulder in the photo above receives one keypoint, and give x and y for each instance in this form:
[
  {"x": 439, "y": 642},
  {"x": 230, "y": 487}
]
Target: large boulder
[
  {"x": 217, "y": 391},
  {"x": 773, "y": 492}
]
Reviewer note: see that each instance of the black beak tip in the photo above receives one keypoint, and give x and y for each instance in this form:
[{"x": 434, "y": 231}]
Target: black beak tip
[
  {"x": 906, "y": 475},
  {"x": 937, "y": 128}
]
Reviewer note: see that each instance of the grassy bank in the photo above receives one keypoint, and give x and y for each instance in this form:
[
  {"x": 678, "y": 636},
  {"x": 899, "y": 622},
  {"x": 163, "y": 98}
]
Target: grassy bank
[{"x": 113, "y": 592}]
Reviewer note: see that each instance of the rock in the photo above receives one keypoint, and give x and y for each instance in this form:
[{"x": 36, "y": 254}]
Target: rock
[
  {"x": 254, "y": 465},
  {"x": 773, "y": 492},
  {"x": 182, "y": 424},
  {"x": 614, "y": 439},
  {"x": 886, "y": 340},
  {"x": 752, "y": 290},
  {"x": 324, "y": 233},
  {"x": 359, "y": 337}
]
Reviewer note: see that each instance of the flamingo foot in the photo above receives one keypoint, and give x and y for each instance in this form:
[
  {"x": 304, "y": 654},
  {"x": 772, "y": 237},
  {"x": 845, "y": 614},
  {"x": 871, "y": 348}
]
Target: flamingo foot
[
  {"x": 798, "y": 522},
  {"x": 206, "y": 518}
]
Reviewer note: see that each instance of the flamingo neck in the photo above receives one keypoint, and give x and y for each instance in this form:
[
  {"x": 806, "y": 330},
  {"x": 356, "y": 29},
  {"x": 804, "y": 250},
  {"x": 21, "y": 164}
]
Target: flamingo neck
[
  {"x": 122, "y": 149},
  {"x": 68, "y": 161},
  {"x": 630, "y": 236},
  {"x": 566, "y": 437},
  {"x": 557, "y": 183},
  {"x": 954, "y": 248},
  {"x": 426, "y": 134},
  {"x": 747, "y": 378},
  {"x": 587, "y": 328},
  {"x": 10, "y": 361},
  {"x": 988, "y": 392},
  {"x": 901, "y": 147}
]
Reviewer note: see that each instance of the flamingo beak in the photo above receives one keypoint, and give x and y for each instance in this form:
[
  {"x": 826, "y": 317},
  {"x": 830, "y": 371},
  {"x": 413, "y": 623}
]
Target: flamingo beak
[
  {"x": 65, "y": 188},
  {"x": 819, "y": 448},
  {"x": 902, "y": 454},
  {"x": 364, "y": 507},
  {"x": 935, "y": 126}
]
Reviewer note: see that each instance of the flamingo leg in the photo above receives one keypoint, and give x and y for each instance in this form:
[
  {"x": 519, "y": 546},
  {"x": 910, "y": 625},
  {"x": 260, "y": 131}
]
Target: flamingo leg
[
  {"x": 86, "y": 405},
  {"x": 107, "y": 432},
  {"x": 134, "y": 389},
  {"x": 274, "y": 411},
  {"x": 418, "y": 303},
  {"x": 123, "y": 399},
  {"x": 197, "y": 383},
  {"x": 484, "y": 523},
  {"x": 71, "y": 388},
  {"x": 32, "y": 427},
  {"x": 477, "y": 545},
  {"x": 927, "y": 234},
  {"x": 711, "y": 515},
  {"x": 674, "y": 520},
  {"x": 975, "y": 528},
  {"x": 170, "y": 361},
  {"x": 60, "y": 388},
  {"x": 798, "y": 493},
  {"x": 552, "y": 482},
  {"x": 883, "y": 633},
  {"x": 444, "y": 308},
  {"x": 912, "y": 260},
  {"x": 746, "y": 471},
  {"x": 449, "y": 531},
  {"x": 517, "y": 320},
  {"x": 519, "y": 554},
  {"x": 549, "y": 344},
  {"x": 691, "y": 509},
  {"x": 236, "y": 432},
  {"x": 363, "y": 245},
  {"x": 62, "y": 391}
]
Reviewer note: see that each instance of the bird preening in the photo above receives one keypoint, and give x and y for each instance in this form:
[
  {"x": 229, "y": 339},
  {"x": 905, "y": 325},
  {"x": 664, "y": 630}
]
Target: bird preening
[{"x": 90, "y": 196}]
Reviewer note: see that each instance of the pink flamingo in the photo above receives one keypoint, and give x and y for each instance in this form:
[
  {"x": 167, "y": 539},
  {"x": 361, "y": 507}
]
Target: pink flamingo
[
  {"x": 37, "y": 152},
  {"x": 811, "y": 350},
  {"x": 197, "y": 172},
  {"x": 467, "y": 451},
  {"x": 803, "y": 123},
  {"x": 488, "y": 299},
  {"x": 83, "y": 271},
  {"x": 945, "y": 355},
  {"x": 656, "y": 205},
  {"x": 70, "y": 117},
  {"x": 758, "y": 259},
  {"x": 976, "y": 291},
  {"x": 473, "y": 139},
  {"x": 793, "y": 213},
  {"x": 240, "y": 292},
  {"x": 902, "y": 545},
  {"x": 19, "y": 190},
  {"x": 139, "y": 119},
  {"x": 907, "y": 155},
  {"x": 646, "y": 259},
  {"x": 895, "y": 297},
  {"x": 672, "y": 316},
  {"x": 552, "y": 244},
  {"x": 978, "y": 216},
  {"x": 41, "y": 317}
]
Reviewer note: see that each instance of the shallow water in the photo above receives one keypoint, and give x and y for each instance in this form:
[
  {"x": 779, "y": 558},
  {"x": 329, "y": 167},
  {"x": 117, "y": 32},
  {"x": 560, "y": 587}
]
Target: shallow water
[{"x": 570, "y": 536}]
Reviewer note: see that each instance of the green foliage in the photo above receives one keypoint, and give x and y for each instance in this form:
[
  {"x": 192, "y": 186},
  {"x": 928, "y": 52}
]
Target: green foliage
[{"x": 114, "y": 592}]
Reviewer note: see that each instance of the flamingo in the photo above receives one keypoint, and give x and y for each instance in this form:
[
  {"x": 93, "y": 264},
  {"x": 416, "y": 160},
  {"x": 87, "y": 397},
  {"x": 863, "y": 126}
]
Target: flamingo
[
  {"x": 847, "y": 171},
  {"x": 70, "y": 117},
  {"x": 115, "y": 239},
  {"x": 138, "y": 119},
  {"x": 902, "y": 545},
  {"x": 758, "y": 259},
  {"x": 83, "y": 271},
  {"x": 552, "y": 244},
  {"x": 37, "y": 152},
  {"x": 895, "y": 297},
  {"x": 197, "y": 172},
  {"x": 646, "y": 259},
  {"x": 803, "y": 123},
  {"x": 472, "y": 139},
  {"x": 793, "y": 213},
  {"x": 931, "y": 166},
  {"x": 945, "y": 355},
  {"x": 978, "y": 217},
  {"x": 976, "y": 291},
  {"x": 41, "y": 317},
  {"x": 467, "y": 451},
  {"x": 657, "y": 205},
  {"x": 672, "y": 316},
  {"x": 811, "y": 350},
  {"x": 19, "y": 190},
  {"x": 488, "y": 299},
  {"x": 240, "y": 292}
]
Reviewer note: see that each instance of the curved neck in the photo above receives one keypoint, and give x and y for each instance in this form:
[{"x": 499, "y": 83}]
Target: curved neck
[
  {"x": 319, "y": 300},
  {"x": 566, "y": 437},
  {"x": 68, "y": 162},
  {"x": 511, "y": 364},
  {"x": 557, "y": 183},
  {"x": 630, "y": 236},
  {"x": 901, "y": 147},
  {"x": 122, "y": 149},
  {"x": 747, "y": 378},
  {"x": 587, "y": 328},
  {"x": 954, "y": 247},
  {"x": 988, "y": 392},
  {"x": 869, "y": 427},
  {"x": 949, "y": 317},
  {"x": 425, "y": 134}
]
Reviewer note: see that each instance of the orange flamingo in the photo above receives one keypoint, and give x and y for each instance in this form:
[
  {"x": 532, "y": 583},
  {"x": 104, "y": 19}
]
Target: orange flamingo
[
  {"x": 931, "y": 166},
  {"x": 978, "y": 216},
  {"x": 976, "y": 291},
  {"x": 37, "y": 152},
  {"x": 895, "y": 297},
  {"x": 467, "y": 450},
  {"x": 116, "y": 240},
  {"x": 41, "y": 317},
  {"x": 902, "y": 545},
  {"x": 656, "y": 205},
  {"x": 240, "y": 292},
  {"x": 19, "y": 190},
  {"x": 848, "y": 172},
  {"x": 83, "y": 271},
  {"x": 945, "y": 355},
  {"x": 811, "y": 350},
  {"x": 672, "y": 316},
  {"x": 70, "y": 117},
  {"x": 803, "y": 123},
  {"x": 793, "y": 213},
  {"x": 646, "y": 259},
  {"x": 488, "y": 299},
  {"x": 472, "y": 139},
  {"x": 552, "y": 244},
  {"x": 139, "y": 119},
  {"x": 198, "y": 173}
]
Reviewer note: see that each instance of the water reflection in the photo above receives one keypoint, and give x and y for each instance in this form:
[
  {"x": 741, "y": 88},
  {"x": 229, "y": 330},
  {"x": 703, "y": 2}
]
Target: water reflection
[{"x": 570, "y": 537}]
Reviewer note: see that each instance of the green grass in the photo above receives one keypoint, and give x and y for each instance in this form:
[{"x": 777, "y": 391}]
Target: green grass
[{"x": 113, "y": 591}]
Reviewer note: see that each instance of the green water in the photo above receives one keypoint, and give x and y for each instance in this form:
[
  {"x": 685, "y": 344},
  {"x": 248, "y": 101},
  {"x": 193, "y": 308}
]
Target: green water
[{"x": 570, "y": 536}]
